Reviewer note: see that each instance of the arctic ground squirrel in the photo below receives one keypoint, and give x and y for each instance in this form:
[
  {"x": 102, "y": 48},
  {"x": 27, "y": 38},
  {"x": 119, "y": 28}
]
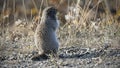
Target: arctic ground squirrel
[{"x": 45, "y": 35}]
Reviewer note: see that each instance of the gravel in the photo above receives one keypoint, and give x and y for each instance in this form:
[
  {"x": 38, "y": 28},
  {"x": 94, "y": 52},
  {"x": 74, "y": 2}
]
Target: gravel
[{"x": 69, "y": 57}]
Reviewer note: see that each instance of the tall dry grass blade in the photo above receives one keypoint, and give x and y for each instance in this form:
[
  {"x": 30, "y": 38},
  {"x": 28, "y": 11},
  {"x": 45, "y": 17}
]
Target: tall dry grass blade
[
  {"x": 3, "y": 21},
  {"x": 40, "y": 9},
  {"x": 25, "y": 11}
]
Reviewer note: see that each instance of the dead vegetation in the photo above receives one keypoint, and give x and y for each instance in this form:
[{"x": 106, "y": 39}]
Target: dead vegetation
[{"x": 91, "y": 23}]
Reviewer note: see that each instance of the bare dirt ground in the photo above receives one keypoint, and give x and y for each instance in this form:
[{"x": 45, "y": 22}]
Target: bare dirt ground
[{"x": 18, "y": 53}]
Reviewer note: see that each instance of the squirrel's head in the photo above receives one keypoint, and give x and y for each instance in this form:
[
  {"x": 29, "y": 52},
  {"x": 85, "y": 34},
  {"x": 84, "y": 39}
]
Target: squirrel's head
[{"x": 50, "y": 12}]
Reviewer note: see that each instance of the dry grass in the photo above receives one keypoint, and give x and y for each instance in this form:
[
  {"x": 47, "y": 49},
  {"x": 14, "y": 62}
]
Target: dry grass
[
  {"x": 85, "y": 27},
  {"x": 82, "y": 28}
]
